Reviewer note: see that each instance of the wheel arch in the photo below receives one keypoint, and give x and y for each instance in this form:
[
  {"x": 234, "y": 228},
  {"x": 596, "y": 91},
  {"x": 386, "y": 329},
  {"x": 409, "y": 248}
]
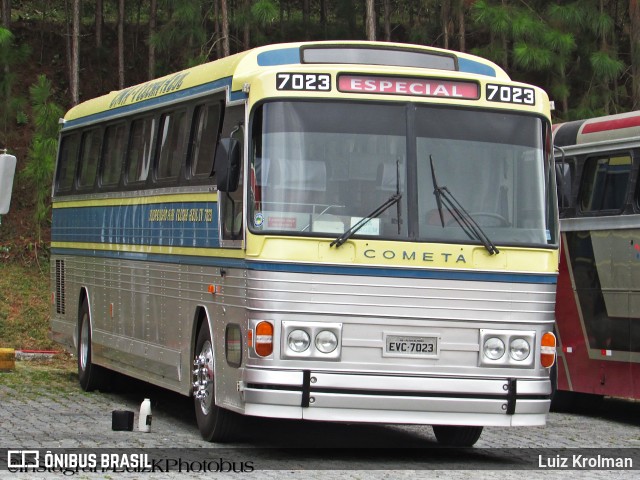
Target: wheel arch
[
  {"x": 83, "y": 296},
  {"x": 201, "y": 319}
]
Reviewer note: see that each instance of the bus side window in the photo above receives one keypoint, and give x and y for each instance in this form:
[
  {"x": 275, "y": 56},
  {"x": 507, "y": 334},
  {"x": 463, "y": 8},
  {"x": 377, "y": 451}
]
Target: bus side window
[
  {"x": 67, "y": 163},
  {"x": 170, "y": 145},
  {"x": 604, "y": 183},
  {"x": 89, "y": 158},
  {"x": 139, "y": 151},
  {"x": 113, "y": 155},
  {"x": 204, "y": 138}
]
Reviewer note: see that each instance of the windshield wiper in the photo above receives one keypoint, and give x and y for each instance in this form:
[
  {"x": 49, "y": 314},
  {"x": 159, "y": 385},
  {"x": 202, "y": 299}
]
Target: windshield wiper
[
  {"x": 363, "y": 221},
  {"x": 459, "y": 214}
]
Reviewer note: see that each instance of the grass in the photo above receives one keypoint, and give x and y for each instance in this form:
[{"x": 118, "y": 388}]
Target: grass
[
  {"x": 24, "y": 325},
  {"x": 58, "y": 375},
  {"x": 24, "y": 307}
]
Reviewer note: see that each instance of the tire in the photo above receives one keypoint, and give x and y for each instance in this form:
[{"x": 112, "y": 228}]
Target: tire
[
  {"x": 92, "y": 377},
  {"x": 457, "y": 436},
  {"x": 216, "y": 424}
]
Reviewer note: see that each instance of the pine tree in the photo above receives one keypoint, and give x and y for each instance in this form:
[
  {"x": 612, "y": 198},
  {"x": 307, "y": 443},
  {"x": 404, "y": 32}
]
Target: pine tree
[
  {"x": 42, "y": 153},
  {"x": 12, "y": 104}
]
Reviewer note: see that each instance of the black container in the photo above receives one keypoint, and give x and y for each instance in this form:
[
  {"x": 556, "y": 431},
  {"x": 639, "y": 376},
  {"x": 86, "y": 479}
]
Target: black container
[{"x": 122, "y": 420}]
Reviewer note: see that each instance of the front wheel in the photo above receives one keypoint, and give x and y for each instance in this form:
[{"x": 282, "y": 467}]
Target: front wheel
[
  {"x": 457, "y": 436},
  {"x": 215, "y": 424}
]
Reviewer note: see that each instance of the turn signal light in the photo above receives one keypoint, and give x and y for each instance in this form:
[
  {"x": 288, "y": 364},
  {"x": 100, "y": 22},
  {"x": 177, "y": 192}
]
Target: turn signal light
[
  {"x": 264, "y": 339},
  {"x": 548, "y": 350}
]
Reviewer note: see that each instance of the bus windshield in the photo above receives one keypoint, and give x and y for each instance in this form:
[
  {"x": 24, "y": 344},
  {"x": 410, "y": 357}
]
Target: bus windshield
[{"x": 365, "y": 170}]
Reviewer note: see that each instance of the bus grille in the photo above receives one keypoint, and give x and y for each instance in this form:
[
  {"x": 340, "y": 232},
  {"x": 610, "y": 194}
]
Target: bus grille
[{"x": 60, "y": 287}]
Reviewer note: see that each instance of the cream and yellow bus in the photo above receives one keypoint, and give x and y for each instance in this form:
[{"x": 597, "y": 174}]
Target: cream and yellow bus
[{"x": 329, "y": 231}]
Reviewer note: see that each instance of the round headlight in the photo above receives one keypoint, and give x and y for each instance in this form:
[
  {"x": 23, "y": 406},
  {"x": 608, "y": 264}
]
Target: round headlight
[
  {"x": 326, "y": 341},
  {"x": 298, "y": 341},
  {"x": 494, "y": 348},
  {"x": 519, "y": 349}
]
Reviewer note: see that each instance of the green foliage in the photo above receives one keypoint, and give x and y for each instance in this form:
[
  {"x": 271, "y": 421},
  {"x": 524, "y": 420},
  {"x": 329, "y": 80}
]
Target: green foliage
[
  {"x": 12, "y": 56},
  {"x": 264, "y": 12},
  {"x": 606, "y": 66},
  {"x": 42, "y": 153},
  {"x": 531, "y": 56}
]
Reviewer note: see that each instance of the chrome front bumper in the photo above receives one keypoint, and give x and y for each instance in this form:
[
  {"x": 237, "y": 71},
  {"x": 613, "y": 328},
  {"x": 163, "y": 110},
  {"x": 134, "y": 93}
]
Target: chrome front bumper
[{"x": 343, "y": 397}]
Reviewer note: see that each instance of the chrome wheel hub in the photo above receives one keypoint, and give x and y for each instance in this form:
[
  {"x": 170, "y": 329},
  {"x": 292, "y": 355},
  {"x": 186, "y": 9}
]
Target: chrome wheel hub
[{"x": 203, "y": 377}]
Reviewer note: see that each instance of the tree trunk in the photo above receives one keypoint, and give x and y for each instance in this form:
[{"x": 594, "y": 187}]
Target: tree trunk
[
  {"x": 461, "y": 26},
  {"x": 371, "y": 21},
  {"x": 247, "y": 25},
  {"x": 121, "y": 44},
  {"x": 216, "y": 28},
  {"x": 445, "y": 15},
  {"x": 634, "y": 38},
  {"x": 6, "y": 14},
  {"x": 306, "y": 13},
  {"x": 323, "y": 17},
  {"x": 387, "y": 20},
  {"x": 75, "y": 54},
  {"x": 153, "y": 14},
  {"x": 99, "y": 21},
  {"x": 225, "y": 28}
]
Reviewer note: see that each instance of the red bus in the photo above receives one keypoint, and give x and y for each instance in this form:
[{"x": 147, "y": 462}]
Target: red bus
[{"x": 598, "y": 292}]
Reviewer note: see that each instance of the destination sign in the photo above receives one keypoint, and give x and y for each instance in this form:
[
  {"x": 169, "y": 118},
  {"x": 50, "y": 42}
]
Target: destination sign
[{"x": 420, "y": 87}]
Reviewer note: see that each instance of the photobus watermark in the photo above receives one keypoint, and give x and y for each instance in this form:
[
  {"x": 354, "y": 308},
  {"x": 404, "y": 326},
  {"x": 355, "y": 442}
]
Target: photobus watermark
[{"x": 74, "y": 462}]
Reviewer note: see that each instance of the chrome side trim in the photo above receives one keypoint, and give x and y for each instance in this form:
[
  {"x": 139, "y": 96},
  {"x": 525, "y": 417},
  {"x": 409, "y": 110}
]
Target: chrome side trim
[{"x": 613, "y": 222}]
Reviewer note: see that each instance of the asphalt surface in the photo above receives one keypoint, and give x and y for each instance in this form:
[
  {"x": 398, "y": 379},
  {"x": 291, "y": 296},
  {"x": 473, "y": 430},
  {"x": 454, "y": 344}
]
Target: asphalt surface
[{"x": 70, "y": 422}]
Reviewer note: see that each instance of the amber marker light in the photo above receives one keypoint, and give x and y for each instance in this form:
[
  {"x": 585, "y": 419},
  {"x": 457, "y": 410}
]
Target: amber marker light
[
  {"x": 548, "y": 350},
  {"x": 264, "y": 339}
]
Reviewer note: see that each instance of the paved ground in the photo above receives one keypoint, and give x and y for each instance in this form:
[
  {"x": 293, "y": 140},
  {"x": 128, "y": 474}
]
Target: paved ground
[{"x": 49, "y": 418}]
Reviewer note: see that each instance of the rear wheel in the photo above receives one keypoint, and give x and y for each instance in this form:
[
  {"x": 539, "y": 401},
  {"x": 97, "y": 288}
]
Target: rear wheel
[
  {"x": 91, "y": 377},
  {"x": 457, "y": 436},
  {"x": 215, "y": 424}
]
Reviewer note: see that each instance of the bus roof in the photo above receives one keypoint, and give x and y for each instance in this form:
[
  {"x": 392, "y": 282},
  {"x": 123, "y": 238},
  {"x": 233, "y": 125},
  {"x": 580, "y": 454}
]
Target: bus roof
[
  {"x": 621, "y": 126},
  {"x": 229, "y": 72}
]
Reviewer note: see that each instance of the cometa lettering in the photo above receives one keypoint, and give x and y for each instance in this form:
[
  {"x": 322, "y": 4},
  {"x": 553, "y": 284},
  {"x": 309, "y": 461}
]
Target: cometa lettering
[{"x": 426, "y": 257}]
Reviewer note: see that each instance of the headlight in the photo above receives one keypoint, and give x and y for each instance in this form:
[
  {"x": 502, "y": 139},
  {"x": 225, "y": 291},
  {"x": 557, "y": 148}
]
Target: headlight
[
  {"x": 519, "y": 349},
  {"x": 326, "y": 341},
  {"x": 299, "y": 341},
  {"x": 494, "y": 348}
]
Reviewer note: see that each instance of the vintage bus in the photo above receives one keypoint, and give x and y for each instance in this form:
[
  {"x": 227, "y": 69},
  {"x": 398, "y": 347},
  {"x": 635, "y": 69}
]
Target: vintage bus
[
  {"x": 350, "y": 232},
  {"x": 598, "y": 297}
]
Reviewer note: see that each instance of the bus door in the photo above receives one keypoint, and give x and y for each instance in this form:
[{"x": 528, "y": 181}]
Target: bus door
[
  {"x": 228, "y": 316},
  {"x": 231, "y": 203}
]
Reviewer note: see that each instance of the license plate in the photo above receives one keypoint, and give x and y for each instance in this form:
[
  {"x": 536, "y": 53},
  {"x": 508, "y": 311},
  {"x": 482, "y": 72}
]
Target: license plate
[{"x": 411, "y": 346}]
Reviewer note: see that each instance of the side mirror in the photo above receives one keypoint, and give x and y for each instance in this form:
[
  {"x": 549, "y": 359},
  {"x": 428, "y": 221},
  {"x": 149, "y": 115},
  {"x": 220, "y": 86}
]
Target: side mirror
[
  {"x": 7, "y": 171},
  {"x": 228, "y": 158},
  {"x": 563, "y": 184}
]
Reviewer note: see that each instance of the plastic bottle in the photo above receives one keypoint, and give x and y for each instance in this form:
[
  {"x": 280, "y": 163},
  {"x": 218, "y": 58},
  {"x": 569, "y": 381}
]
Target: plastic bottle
[{"x": 144, "y": 420}]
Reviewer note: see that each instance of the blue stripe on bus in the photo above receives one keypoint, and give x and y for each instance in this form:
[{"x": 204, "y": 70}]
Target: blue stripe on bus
[
  {"x": 283, "y": 56},
  {"x": 471, "y": 66},
  {"x": 177, "y": 224},
  {"x": 205, "y": 261},
  {"x": 317, "y": 268},
  {"x": 157, "y": 101},
  {"x": 403, "y": 272}
]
